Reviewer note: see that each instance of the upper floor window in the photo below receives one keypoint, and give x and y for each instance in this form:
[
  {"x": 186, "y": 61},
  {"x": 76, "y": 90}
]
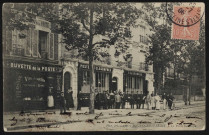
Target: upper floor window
[
  {"x": 32, "y": 42},
  {"x": 43, "y": 36},
  {"x": 142, "y": 37}
]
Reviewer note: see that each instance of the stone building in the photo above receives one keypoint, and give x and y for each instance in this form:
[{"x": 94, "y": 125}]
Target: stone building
[
  {"x": 31, "y": 68},
  {"x": 131, "y": 76}
]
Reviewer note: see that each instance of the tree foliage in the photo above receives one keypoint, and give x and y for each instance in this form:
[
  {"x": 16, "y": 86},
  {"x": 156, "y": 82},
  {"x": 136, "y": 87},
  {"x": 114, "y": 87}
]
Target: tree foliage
[{"x": 186, "y": 56}]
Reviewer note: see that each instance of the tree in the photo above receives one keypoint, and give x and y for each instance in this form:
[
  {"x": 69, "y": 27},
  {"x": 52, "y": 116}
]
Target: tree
[
  {"x": 82, "y": 23},
  {"x": 187, "y": 56},
  {"x": 160, "y": 53}
]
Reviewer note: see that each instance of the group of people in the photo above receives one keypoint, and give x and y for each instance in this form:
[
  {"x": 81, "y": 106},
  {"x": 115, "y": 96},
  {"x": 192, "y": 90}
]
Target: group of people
[
  {"x": 118, "y": 100},
  {"x": 153, "y": 101}
]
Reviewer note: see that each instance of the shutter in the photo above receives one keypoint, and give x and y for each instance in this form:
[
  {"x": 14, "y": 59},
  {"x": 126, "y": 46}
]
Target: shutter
[
  {"x": 8, "y": 42},
  {"x": 56, "y": 46},
  {"x": 51, "y": 46},
  {"x": 34, "y": 37},
  {"x": 28, "y": 43}
]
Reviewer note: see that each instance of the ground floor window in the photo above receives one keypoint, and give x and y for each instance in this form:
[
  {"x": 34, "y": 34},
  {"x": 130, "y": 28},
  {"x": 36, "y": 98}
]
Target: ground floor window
[{"x": 102, "y": 81}]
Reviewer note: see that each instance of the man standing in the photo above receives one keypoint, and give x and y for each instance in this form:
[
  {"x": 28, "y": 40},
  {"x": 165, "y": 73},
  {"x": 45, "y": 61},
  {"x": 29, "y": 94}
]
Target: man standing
[
  {"x": 122, "y": 101},
  {"x": 170, "y": 101},
  {"x": 138, "y": 101}
]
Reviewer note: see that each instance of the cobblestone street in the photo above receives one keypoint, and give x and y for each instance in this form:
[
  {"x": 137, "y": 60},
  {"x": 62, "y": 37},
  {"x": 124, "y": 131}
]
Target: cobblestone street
[{"x": 182, "y": 118}]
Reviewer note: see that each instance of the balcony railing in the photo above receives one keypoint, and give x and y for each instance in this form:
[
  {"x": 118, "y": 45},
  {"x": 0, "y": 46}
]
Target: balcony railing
[{"x": 143, "y": 66}]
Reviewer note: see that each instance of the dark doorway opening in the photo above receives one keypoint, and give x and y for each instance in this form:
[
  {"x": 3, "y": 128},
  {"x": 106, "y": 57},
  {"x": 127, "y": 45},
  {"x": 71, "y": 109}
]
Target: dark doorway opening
[
  {"x": 67, "y": 81},
  {"x": 114, "y": 84},
  {"x": 145, "y": 89}
]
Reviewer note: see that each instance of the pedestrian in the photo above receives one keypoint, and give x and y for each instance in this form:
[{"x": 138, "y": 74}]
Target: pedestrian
[
  {"x": 164, "y": 98},
  {"x": 98, "y": 101},
  {"x": 69, "y": 99},
  {"x": 157, "y": 99},
  {"x": 185, "y": 99},
  {"x": 105, "y": 100},
  {"x": 50, "y": 98},
  {"x": 112, "y": 100},
  {"x": 153, "y": 101},
  {"x": 138, "y": 101},
  {"x": 148, "y": 100},
  {"x": 170, "y": 100},
  {"x": 143, "y": 100},
  {"x": 108, "y": 99},
  {"x": 122, "y": 101},
  {"x": 79, "y": 100},
  {"x": 62, "y": 103},
  {"x": 131, "y": 100},
  {"x": 117, "y": 100}
]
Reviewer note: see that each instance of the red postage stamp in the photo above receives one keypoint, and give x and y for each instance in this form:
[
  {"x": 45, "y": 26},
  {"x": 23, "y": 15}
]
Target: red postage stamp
[{"x": 186, "y": 23}]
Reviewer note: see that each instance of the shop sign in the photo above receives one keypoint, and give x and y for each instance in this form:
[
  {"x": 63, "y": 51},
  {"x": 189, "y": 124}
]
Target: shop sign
[
  {"x": 134, "y": 73},
  {"x": 97, "y": 68},
  {"x": 33, "y": 67},
  {"x": 103, "y": 69}
]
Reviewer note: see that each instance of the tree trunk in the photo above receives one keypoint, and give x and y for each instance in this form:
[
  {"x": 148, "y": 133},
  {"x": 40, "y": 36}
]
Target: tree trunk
[
  {"x": 190, "y": 90},
  {"x": 91, "y": 68}
]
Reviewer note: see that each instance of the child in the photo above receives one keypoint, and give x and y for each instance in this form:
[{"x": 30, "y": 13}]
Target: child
[{"x": 62, "y": 103}]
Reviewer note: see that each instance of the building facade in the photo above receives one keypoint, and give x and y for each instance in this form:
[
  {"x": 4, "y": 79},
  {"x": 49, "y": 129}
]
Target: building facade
[
  {"x": 31, "y": 68},
  {"x": 133, "y": 76}
]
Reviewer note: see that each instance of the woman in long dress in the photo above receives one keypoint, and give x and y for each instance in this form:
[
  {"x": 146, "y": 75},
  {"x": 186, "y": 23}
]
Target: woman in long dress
[
  {"x": 157, "y": 99},
  {"x": 50, "y": 98},
  {"x": 69, "y": 99}
]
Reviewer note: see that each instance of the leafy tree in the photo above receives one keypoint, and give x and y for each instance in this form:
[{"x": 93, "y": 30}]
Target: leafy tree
[
  {"x": 186, "y": 56},
  {"x": 160, "y": 54}
]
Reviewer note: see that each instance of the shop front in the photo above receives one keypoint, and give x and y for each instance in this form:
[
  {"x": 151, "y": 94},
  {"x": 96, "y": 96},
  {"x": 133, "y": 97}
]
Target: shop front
[
  {"x": 103, "y": 80},
  {"x": 134, "y": 82},
  {"x": 27, "y": 85}
]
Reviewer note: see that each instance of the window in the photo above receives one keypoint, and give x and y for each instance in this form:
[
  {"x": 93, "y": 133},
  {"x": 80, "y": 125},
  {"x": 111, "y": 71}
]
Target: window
[
  {"x": 42, "y": 48},
  {"x": 102, "y": 81},
  {"x": 142, "y": 36},
  {"x": 132, "y": 84},
  {"x": 86, "y": 77},
  {"x": 18, "y": 43}
]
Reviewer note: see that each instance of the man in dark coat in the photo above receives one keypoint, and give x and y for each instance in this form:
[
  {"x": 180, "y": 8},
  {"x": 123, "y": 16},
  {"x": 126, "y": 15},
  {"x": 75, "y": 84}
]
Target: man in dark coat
[
  {"x": 79, "y": 100},
  {"x": 105, "y": 104},
  {"x": 132, "y": 101},
  {"x": 138, "y": 101},
  {"x": 123, "y": 100},
  {"x": 170, "y": 100},
  {"x": 62, "y": 103}
]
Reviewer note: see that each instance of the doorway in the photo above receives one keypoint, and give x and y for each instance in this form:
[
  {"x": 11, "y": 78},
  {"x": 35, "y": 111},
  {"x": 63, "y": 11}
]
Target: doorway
[
  {"x": 114, "y": 84},
  {"x": 67, "y": 81}
]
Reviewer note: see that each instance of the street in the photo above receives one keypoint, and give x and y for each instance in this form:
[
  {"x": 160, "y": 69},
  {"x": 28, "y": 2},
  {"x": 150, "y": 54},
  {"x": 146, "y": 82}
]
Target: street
[{"x": 182, "y": 118}]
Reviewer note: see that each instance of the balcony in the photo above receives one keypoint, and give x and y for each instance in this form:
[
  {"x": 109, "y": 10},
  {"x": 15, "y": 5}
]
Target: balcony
[{"x": 143, "y": 66}]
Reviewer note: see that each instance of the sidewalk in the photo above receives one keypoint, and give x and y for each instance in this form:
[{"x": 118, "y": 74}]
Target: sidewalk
[{"x": 15, "y": 120}]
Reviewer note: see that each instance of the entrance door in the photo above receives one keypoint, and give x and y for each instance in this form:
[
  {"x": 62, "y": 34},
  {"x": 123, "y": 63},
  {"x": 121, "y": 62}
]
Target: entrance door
[
  {"x": 114, "y": 84},
  {"x": 145, "y": 89},
  {"x": 67, "y": 81}
]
